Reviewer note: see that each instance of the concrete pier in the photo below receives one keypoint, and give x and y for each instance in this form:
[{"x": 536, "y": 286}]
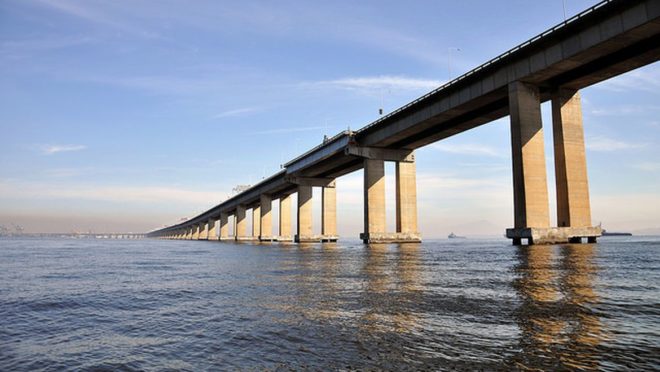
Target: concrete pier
[
  {"x": 203, "y": 231},
  {"x": 213, "y": 231},
  {"x": 304, "y": 231},
  {"x": 266, "y": 232},
  {"x": 240, "y": 230},
  {"x": 285, "y": 220},
  {"x": 224, "y": 227},
  {"x": 406, "y": 201},
  {"x": 329, "y": 214}
]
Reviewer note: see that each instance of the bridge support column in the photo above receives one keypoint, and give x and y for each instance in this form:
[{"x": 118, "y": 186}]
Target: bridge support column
[
  {"x": 203, "y": 231},
  {"x": 285, "y": 219},
  {"x": 241, "y": 224},
  {"x": 256, "y": 222},
  {"x": 304, "y": 230},
  {"x": 530, "y": 188},
  {"x": 573, "y": 206},
  {"x": 406, "y": 201},
  {"x": 329, "y": 214},
  {"x": 195, "y": 232},
  {"x": 266, "y": 219},
  {"x": 213, "y": 231},
  {"x": 224, "y": 226}
]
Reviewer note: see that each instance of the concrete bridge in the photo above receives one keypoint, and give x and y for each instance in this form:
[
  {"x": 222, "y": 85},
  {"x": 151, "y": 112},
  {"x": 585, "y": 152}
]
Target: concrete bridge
[{"x": 604, "y": 41}]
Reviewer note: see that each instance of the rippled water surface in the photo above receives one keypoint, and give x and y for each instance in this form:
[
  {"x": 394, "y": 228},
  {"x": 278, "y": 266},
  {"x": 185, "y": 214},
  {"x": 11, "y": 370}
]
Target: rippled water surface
[{"x": 441, "y": 305}]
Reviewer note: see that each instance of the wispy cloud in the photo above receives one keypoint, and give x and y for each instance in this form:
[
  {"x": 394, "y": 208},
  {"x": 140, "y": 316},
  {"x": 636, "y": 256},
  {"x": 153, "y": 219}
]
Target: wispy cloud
[
  {"x": 648, "y": 166},
  {"x": 624, "y": 110},
  {"x": 601, "y": 143},
  {"x": 290, "y": 130},
  {"x": 123, "y": 194},
  {"x": 469, "y": 149},
  {"x": 371, "y": 83},
  {"x": 237, "y": 112},
  {"x": 647, "y": 80},
  {"x": 55, "y": 149}
]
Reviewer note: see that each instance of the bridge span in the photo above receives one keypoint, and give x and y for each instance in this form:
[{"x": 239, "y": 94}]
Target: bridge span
[{"x": 611, "y": 38}]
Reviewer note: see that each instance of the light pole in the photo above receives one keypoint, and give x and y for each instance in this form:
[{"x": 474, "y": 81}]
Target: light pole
[{"x": 449, "y": 61}]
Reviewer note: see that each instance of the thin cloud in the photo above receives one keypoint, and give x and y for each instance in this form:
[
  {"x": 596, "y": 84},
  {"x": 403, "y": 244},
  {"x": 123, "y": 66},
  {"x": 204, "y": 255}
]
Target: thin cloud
[
  {"x": 605, "y": 144},
  {"x": 55, "y": 149},
  {"x": 648, "y": 167},
  {"x": 237, "y": 112},
  {"x": 641, "y": 80},
  {"x": 290, "y": 130},
  {"x": 371, "y": 83},
  {"x": 468, "y": 149}
]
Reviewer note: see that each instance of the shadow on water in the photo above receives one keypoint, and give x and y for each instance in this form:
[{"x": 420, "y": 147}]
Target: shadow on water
[{"x": 559, "y": 328}]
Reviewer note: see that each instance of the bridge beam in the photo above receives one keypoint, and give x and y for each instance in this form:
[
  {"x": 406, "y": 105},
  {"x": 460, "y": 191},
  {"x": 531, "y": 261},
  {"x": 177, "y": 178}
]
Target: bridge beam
[
  {"x": 285, "y": 219},
  {"x": 311, "y": 181},
  {"x": 377, "y": 153}
]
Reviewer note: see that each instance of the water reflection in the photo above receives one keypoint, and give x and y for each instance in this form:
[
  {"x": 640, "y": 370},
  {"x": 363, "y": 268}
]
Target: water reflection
[
  {"x": 559, "y": 328},
  {"x": 392, "y": 285}
]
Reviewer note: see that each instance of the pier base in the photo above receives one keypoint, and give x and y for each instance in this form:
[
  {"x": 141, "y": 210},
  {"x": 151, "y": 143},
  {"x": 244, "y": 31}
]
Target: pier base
[
  {"x": 377, "y": 238},
  {"x": 315, "y": 238},
  {"x": 247, "y": 238},
  {"x": 553, "y": 235}
]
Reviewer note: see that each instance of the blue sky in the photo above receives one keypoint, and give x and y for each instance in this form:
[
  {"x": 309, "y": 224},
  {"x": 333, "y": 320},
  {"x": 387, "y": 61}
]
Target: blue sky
[{"x": 128, "y": 115}]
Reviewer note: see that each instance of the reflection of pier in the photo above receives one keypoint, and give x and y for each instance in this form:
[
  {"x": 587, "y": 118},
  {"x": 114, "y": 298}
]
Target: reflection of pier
[{"x": 559, "y": 329}]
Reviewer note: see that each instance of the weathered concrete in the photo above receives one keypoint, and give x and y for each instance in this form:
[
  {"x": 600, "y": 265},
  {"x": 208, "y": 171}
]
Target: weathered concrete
[
  {"x": 329, "y": 213},
  {"x": 213, "y": 231},
  {"x": 285, "y": 219},
  {"x": 266, "y": 233},
  {"x": 240, "y": 231},
  {"x": 256, "y": 222},
  {"x": 374, "y": 198},
  {"x": 195, "y": 232},
  {"x": 224, "y": 227},
  {"x": 304, "y": 231},
  {"x": 406, "y": 198},
  {"x": 530, "y": 187},
  {"x": 573, "y": 207},
  {"x": 553, "y": 235},
  {"x": 203, "y": 231}
]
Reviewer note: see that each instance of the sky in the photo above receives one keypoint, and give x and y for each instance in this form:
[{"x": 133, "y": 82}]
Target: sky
[{"x": 126, "y": 116}]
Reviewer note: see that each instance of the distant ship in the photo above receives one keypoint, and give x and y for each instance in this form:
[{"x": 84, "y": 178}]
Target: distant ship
[
  {"x": 454, "y": 236},
  {"x": 607, "y": 233}
]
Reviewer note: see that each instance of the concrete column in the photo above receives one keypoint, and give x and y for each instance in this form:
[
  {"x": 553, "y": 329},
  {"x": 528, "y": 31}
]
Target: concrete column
[
  {"x": 195, "y": 232},
  {"x": 240, "y": 229},
  {"x": 329, "y": 212},
  {"x": 406, "y": 198},
  {"x": 266, "y": 218},
  {"x": 530, "y": 187},
  {"x": 224, "y": 226},
  {"x": 256, "y": 222},
  {"x": 203, "y": 231},
  {"x": 374, "y": 197},
  {"x": 573, "y": 207},
  {"x": 285, "y": 219},
  {"x": 213, "y": 231},
  {"x": 304, "y": 230}
]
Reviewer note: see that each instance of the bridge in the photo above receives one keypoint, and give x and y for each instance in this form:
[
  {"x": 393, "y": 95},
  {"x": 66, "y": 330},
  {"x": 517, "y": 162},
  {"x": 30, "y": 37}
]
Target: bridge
[{"x": 611, "y": 38}]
